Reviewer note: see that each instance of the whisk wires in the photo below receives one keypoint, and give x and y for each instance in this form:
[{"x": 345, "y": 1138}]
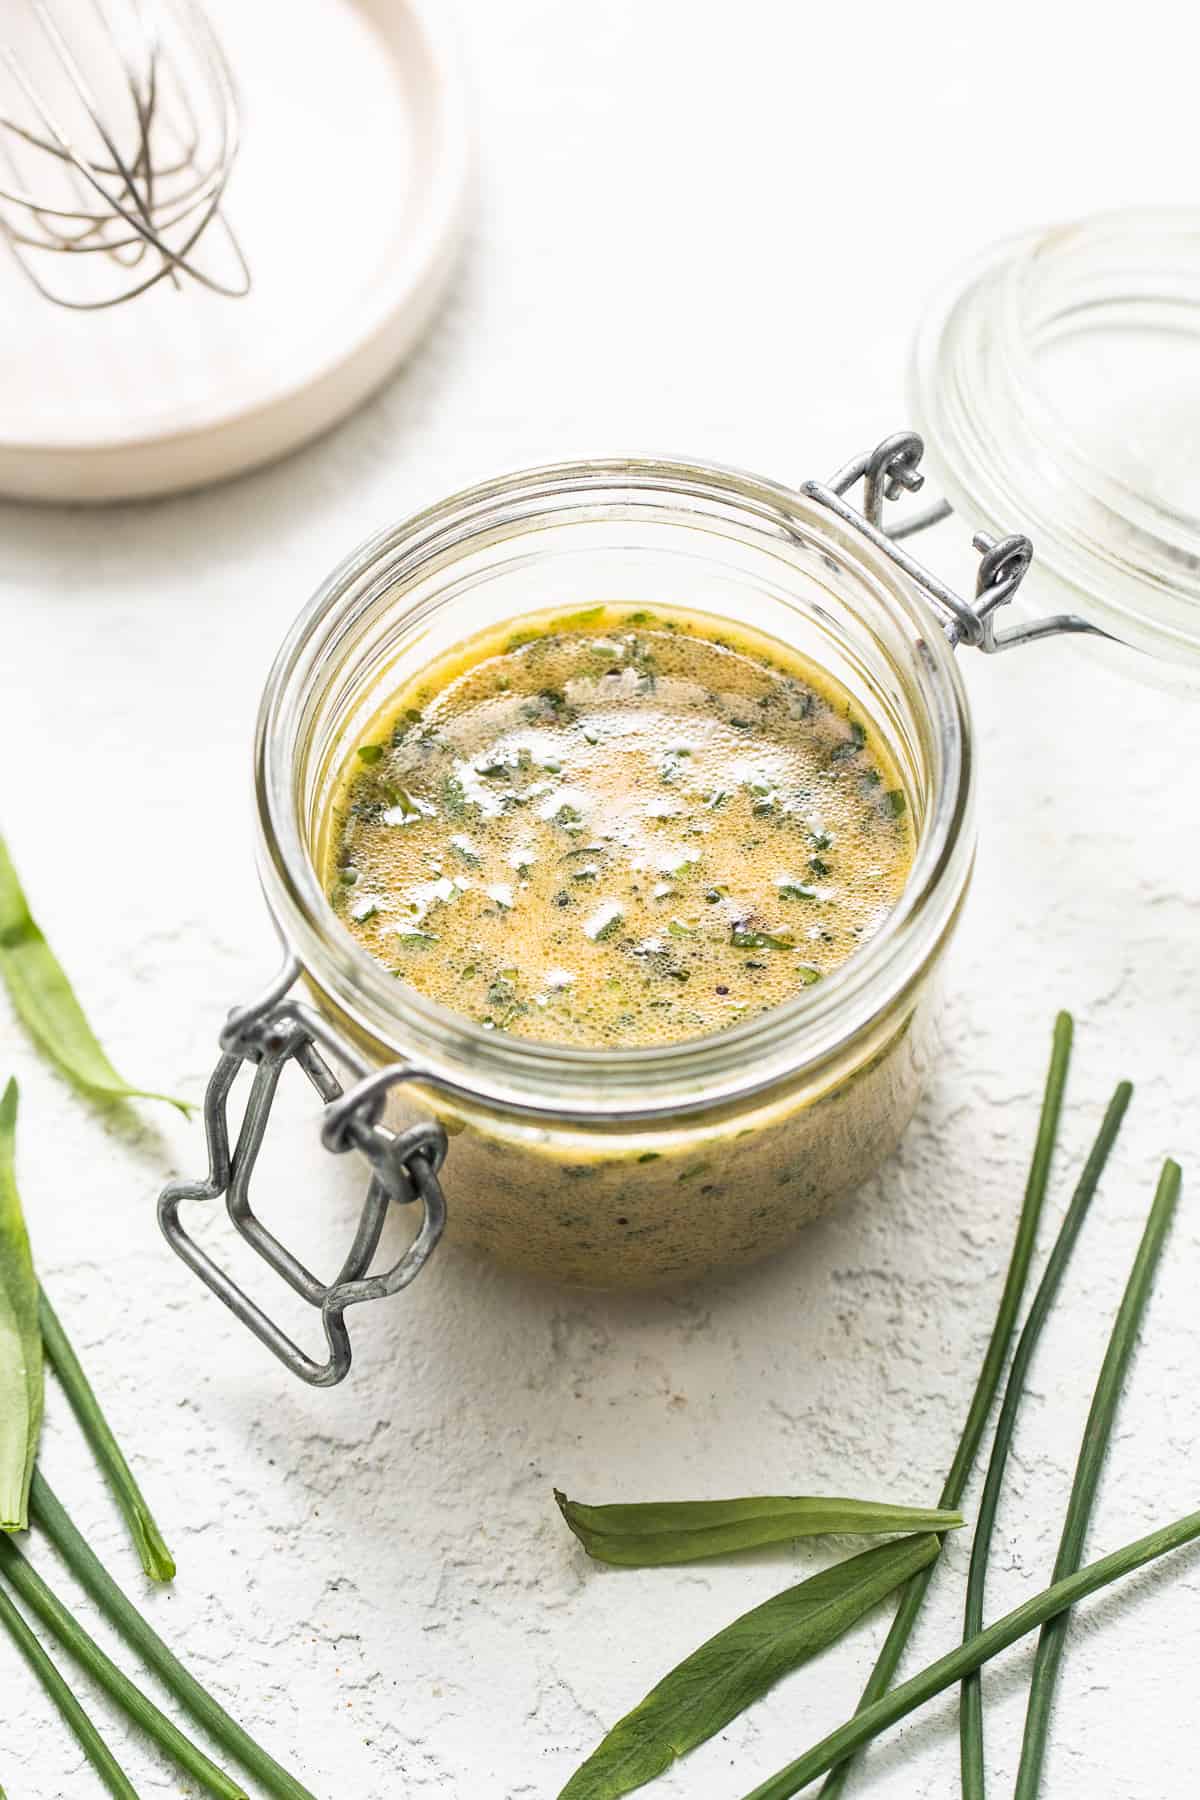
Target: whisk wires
[{"x": 118, "y": 133}]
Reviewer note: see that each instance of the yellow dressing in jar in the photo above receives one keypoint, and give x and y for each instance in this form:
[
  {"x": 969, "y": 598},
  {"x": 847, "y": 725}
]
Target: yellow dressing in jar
[{"x": 618, "y": 827}]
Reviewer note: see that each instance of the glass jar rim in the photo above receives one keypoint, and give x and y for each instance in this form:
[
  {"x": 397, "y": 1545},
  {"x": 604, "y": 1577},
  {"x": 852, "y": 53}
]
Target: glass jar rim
[{"x": 547, "y": 1080}]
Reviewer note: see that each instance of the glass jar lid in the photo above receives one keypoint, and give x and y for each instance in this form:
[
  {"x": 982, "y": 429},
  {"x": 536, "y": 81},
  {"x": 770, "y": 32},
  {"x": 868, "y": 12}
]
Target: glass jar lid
[{"x": 1056, "y": 382}]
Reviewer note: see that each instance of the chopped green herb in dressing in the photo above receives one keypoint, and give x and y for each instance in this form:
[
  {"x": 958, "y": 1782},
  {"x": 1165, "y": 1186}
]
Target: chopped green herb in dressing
[{"x": 618, "y": 828}]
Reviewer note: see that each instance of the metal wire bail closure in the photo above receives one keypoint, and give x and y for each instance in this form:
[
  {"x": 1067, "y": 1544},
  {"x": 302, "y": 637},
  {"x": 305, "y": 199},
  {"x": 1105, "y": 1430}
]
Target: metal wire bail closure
[
  {"x": 269, "y": 1034},
  {"x": 893, "y": 468}
]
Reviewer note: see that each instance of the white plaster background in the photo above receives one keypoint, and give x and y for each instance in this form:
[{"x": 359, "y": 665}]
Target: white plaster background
[{"x": 710, "y": 229}]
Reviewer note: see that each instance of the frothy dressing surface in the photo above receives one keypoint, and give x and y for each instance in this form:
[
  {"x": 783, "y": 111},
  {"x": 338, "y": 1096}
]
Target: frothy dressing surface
[{"x": 618, "y": 827}]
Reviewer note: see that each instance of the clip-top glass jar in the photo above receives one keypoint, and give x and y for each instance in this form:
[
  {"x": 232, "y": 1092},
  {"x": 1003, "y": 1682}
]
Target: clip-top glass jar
[
  {"x": 1042, "y": 377},
  {"x": 603, "y": 1166}
]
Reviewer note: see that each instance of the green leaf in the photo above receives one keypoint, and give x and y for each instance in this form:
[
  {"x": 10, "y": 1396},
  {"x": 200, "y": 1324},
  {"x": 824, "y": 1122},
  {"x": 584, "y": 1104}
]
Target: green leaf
[
  {"x": 649, "y": 1534},
  {"x": 21, "y": 1375},
  {"x": 46, "y": 1002},
  {"x": 400, "y": 800},
  {"x": 744, "y": 939},
  {"x": 370, "y": 753},
  {"x": 148, "y": 1540},
  {"x": 879, "y": 1714},
  {"x": 734, "y": 1668}
]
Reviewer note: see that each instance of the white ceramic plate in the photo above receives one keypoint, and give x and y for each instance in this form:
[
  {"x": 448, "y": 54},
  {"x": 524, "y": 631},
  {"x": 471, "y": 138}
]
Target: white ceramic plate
[{"x": 348, "y": 197}]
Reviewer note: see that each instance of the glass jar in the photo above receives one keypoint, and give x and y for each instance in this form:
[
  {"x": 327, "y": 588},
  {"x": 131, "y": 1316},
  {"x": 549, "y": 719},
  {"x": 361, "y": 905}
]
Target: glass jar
[
  {"x": 601, "y": 1167},
  {"x": 1043, "y": 377}
]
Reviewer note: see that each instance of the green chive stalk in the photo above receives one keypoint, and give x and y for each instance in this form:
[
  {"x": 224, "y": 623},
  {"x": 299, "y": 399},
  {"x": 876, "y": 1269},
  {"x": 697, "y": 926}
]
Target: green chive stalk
[
  {"x": 964, "y": 1659},
  {"x": 50, "y": 1515},
  {"x": 971, "y": 1703},
  {"x": 30, "y": 1587},
  {"x": 88, "y": 1738},
  {"x": 21, "y": 1373},
  {"x": 1096, "y": 1437},
  {"x": 156, "y": 1559},
  {"x": 912, "y": 1599}
]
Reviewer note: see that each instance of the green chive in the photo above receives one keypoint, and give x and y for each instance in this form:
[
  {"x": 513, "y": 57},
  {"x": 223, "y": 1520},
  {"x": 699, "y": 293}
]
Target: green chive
[
  {"x": 731, "y": 1670},
  {"x": 988, "y": 1381},
  {"x": 971, "y": 1707},
  {"x": 1096, "y": 1437},
  {"x": 45, "y": 1000},
  {"x": 156, "y": 1559},
  {"x": 120, "y": 1611},
  {"x": 87, "y": 1652},
  {"x": 89, "y": 1739}
]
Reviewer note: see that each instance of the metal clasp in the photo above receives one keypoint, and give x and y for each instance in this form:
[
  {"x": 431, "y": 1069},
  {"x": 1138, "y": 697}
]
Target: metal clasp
[
  {"x": 891, "y": 469},
  {"x": 404, "y": 1166}
]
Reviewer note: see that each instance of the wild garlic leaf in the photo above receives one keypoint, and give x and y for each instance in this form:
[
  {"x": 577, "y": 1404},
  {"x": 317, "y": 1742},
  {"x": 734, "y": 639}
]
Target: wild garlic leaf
[
  {"x": 45, "y": 1000},
  {"x": 881, "y": 1712},
  {"x": 734, "y": 1668},
  {"x": 649, "y": 1534},
  {"x": 20, "y": 1336}
]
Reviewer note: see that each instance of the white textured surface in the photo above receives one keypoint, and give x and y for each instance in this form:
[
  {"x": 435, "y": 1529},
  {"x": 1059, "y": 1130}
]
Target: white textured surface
[{"x": 375, "y": 1577}]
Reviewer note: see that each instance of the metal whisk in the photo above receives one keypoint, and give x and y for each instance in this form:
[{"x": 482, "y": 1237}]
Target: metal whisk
[{"x": 118, "y": 132}]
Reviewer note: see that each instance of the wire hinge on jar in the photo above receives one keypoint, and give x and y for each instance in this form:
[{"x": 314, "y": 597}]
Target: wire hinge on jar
[
  {"x": 268, "y": 1034},
  {"x": 891, "y": 469}
]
